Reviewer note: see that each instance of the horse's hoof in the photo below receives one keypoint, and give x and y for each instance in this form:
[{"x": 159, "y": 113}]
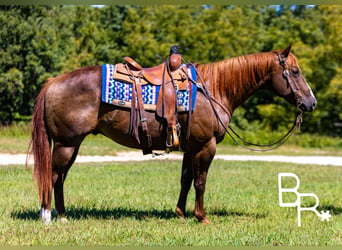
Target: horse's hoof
[
  {"x": 205, "y": 221},
  {"x": 45, "y": 216},
  {"x": 180, "y": 212},
  {"x": 63, "y": 219},
  {"x": 46, "y": 221}
]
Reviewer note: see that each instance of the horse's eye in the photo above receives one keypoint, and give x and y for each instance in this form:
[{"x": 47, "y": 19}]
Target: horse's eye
[{"x": 295, "y": 71}]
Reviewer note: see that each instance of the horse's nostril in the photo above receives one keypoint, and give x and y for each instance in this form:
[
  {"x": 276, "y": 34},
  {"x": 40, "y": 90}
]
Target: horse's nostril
[
  {"x": 303, "y": 107},
  {"x": 314, "y": 104}
]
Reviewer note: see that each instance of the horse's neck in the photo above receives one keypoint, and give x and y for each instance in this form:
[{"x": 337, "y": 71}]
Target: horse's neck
[{"x": 234, "y": 80}]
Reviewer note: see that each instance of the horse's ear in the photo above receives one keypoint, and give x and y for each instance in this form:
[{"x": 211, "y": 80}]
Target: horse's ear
[{"x": 285, "y": 52}]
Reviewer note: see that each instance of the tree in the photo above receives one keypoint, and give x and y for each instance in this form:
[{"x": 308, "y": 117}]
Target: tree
[{"x": 37, "y": 42}]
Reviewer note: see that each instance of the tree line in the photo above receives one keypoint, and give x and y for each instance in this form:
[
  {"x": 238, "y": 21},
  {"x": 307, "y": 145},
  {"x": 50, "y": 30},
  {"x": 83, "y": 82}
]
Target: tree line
[{"x": 37, "y": 42}]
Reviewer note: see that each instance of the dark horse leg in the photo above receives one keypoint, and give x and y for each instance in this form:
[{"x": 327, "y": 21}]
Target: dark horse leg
[
  {"x": 186, "y": 180},
  {"x": 62, "y": 159},
  {"x": 201, "y": 163},
  {"x": 195, "y": 167}
]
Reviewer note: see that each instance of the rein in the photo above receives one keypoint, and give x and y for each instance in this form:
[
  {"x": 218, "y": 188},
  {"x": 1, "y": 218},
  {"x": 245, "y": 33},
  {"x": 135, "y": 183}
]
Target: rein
[{"x": 243, "y": 142}]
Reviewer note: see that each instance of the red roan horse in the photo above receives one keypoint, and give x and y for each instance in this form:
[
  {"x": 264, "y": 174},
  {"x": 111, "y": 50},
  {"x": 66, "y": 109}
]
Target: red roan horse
[{"x": 69, "y": 108}]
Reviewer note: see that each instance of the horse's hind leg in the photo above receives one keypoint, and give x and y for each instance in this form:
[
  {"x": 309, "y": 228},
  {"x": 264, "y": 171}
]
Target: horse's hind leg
[
  {"x": 62, "y": 159},
  {"x": 186, "y": 180}
]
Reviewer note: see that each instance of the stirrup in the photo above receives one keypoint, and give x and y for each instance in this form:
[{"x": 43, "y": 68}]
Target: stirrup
[{"x": 172, "y": 139}]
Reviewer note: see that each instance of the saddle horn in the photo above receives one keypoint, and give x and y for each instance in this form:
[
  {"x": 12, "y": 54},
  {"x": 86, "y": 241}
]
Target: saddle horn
[{"x": 175, "y": 59}]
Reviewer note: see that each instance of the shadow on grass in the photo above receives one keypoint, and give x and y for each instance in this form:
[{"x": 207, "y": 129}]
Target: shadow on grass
[
  {"x": 122, "y": 212},
  {"x": 231, "y": 213},
  {"x": 86, "y": 212},
  {"x": 118, "y": 213},
  {"x": 25, "y": 214},
  {"x": 332, "y": 209}
]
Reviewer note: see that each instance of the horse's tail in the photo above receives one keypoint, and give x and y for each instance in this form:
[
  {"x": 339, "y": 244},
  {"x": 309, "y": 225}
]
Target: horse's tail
[{"x": 41, "y": 147}]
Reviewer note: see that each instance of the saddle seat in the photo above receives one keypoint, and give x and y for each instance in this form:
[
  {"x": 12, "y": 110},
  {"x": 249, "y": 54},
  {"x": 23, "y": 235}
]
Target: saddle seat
[{"x": 155, "y": 74}]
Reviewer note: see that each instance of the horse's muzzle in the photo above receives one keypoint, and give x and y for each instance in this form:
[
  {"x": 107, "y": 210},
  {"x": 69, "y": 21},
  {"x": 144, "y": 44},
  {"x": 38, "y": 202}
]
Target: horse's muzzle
[{"x": 308, "y": 107}]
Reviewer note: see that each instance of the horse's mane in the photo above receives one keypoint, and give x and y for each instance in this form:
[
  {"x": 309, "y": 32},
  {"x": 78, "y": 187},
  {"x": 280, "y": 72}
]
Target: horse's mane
[{"x": 238, "y": 74}]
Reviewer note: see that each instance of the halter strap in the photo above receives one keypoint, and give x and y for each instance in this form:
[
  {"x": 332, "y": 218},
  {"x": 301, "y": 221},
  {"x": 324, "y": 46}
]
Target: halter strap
[
  {"x": 286, "y": 75},
  {"x": 293, "y": 86}
]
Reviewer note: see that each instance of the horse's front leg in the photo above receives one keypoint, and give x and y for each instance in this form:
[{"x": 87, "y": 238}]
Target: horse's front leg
[
  {"x": 186, "y": 180},
  {"x": 201, "y": 163}
]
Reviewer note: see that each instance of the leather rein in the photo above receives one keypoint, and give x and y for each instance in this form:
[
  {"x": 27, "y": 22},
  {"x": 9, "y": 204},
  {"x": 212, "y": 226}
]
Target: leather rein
[{"x": 245, "y": 143}]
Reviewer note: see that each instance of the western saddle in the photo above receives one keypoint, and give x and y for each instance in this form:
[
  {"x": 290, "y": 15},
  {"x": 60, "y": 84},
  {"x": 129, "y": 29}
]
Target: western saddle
[{"x": 170, "y": 76}]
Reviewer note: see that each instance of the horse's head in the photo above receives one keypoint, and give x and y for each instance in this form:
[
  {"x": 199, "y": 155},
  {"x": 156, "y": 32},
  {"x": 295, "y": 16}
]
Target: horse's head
[{"x": 287, "y": 81}]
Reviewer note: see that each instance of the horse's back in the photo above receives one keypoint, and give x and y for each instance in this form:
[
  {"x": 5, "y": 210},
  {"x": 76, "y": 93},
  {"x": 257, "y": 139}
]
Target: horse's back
[{"x": 72, "y": 102}]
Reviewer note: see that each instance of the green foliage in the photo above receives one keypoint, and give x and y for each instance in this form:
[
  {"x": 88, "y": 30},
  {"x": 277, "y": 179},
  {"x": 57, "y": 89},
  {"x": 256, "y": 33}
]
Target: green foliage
[
  {"x": 11, "y": 89},
  {"x": 29, "y": 54},
  {"x": 38, "y": 42}
]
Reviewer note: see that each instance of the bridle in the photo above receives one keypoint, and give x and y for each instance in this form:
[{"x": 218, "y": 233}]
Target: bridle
[
  {"x": 292, "y": 84},
  {"x": 254, "y": 146}
]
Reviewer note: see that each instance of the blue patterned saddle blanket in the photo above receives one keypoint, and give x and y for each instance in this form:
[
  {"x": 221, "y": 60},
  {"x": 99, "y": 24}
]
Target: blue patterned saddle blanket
[{"x": 119, "y": 93}]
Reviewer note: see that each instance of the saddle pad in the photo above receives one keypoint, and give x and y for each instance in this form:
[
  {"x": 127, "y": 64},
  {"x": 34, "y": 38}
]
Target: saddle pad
[{"x": 119, "y": 93}]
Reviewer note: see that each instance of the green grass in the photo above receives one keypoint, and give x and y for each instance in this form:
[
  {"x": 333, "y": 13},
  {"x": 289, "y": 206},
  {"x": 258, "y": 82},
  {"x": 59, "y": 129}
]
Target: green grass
[{"x": 133, "y": 204}]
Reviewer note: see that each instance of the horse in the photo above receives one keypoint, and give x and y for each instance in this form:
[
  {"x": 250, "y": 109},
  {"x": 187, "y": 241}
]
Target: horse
[{"x": 69, "y": 107}]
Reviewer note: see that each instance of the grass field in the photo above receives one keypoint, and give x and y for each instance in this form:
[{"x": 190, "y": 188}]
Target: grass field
[{"x": 133, "y": 204}]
